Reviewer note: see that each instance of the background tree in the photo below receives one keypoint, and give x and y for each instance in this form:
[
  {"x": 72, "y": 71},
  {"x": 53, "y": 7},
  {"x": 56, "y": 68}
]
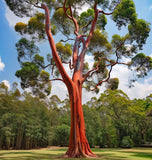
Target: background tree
[
  {"x": 88, "y": 32},
  {"x": 113, "y": 120}
]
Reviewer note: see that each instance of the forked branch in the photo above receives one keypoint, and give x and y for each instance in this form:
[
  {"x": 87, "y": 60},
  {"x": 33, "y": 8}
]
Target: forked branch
[
  {"x": 91, "y": 71},
  {"x": 103, "y": 80},
  {"x": 71, "y": 17}
]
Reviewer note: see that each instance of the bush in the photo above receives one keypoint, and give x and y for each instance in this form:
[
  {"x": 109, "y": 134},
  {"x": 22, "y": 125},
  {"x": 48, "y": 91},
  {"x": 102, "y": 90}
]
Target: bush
[
  {"x": 62, "y": 135},
  {"x": 126, "y": 142}
]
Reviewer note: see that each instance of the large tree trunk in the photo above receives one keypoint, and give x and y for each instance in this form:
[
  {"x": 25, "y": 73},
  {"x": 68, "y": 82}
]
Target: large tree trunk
[{"x": 78, "y": 144}]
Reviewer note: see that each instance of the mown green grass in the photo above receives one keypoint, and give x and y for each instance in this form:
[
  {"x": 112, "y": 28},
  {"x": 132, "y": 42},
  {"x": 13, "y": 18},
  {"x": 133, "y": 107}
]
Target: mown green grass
[{"x": 57, "y": 152}]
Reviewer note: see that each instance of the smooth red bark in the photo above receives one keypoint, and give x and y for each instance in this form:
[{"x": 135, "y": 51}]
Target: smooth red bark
[{"x": 78, "y": 144}]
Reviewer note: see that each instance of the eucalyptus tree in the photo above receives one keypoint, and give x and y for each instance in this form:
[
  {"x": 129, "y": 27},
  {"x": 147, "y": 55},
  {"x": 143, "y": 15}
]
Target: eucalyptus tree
[{"x": 82, "y": 33}]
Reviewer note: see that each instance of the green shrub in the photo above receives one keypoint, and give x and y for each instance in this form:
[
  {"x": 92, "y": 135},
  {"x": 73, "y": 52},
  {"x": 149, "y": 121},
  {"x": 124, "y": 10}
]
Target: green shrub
[
  {"x": 126, "y": 142},
  {"x": 62, "y": 135}
]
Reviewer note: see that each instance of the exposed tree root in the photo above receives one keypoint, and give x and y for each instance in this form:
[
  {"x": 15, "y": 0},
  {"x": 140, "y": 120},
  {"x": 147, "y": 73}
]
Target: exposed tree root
[{"x": 81, "y": 150}]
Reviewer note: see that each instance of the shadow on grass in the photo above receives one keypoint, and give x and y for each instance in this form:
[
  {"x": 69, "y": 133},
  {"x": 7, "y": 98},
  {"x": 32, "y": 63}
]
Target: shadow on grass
[
  {"x": 56, "y": 154},
  {"x": 46, "y": 156},
  {"x": 112, "y": 156},
  {"x": 31, "y": 156},
  {"x": 141, "y": 154}
]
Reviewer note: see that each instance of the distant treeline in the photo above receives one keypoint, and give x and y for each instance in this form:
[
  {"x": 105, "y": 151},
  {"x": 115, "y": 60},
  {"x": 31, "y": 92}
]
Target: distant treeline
[{"x": 113, "y": 120}]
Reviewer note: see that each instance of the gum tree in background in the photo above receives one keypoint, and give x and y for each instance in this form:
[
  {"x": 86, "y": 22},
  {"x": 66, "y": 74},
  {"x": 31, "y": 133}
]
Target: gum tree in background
[{"x": 82, "y": 33}]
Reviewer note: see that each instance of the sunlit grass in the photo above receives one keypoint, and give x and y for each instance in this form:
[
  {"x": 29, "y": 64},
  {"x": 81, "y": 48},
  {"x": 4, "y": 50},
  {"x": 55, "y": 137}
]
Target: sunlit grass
[{"x": 56, "y": 153}]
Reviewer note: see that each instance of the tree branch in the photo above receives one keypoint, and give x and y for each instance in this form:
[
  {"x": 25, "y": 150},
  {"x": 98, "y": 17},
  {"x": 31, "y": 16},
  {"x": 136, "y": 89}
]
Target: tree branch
[
  {"x": 71, "y": 17},
  {"x": 103, "y": 80},
  {"x": 101, "y": 11},
  {"x": 55, "y": 55},
  {"x": 92, "y": 70},
  {"x": 93, "y": 25},
  {"x": 57, "y": 79},
  {"x": 34, "y": 4},
  {"x": 70, "y": 65},
  {"x": 69, "y": 39}
]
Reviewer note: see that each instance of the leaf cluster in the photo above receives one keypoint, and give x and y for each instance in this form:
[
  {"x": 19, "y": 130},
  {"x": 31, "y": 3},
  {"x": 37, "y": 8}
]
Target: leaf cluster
[
  {"x": 142, "y": 64},
  {"x": 32, "y": 73},
  {"x": 35, "y": 27}
]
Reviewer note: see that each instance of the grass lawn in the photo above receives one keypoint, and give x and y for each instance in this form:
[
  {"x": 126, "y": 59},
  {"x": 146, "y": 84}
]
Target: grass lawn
[{"x": 56, "y": 152}]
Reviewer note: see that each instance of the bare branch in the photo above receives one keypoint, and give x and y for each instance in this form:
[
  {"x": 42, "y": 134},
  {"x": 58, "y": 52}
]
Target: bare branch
[
  {"x": 103, "y": 80},
  {"x": 92, "y": 70},
  {"x": 86, "y": 27},
  {"x": 71, "y": 17},
  {"x": 46, "y": 66},
  {"x": 69, "y": 39},
  {"x": 101, "y": 11},
  {"x": 57, "y": 79},
  {"x": 34, "y": 4},
  {"x": 70, "y": 64}
]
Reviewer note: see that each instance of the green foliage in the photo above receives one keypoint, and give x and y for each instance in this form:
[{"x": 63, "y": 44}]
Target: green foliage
[
  {"x": 126, "y": 142},
  {"x": 35, "y": 27},
  {"x": 142, "y": 64},
  {"x": 32, "y": 77},
  {"x": 62, "y": 22},
  {"x": 125, "y": 13},
  {"x": 21, "y": 27},
  {"x": 111, "y": 121},
  {"x": 99, "y": 40},
  {"x": 29, "y": 72},
  {"x": 20, "y": 8},
  {"x": 113, "y": 83},
  {"x": 32, "y": 73},
  {"x": 86, "y": 17},
  {"x": 64, "y": 51},
  {"x": 139, "y": 31},
  {"x": 3, "y": 88},
  {"x": 26, "y": 49},
  {"x": 101, "y": 22},
  {"x": 62, "y": 135},
  {"x": 92, "y": 123},
  {"x": 39, "y": 60}
]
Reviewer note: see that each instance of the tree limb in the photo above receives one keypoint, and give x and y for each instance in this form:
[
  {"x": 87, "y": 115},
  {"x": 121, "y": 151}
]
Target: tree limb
[
  {"x": 70, "y": 65},
  {"x": 69, "y": 39},
  {"x": 71, "y": 17},
  {"x": 55, "y": 55},
  {"x": 92, "y": 70},
  {"x": 103, "y": 80},
  {"x": 57, "y": 79},
  {"x": 93, "y": 25},
  {"x": 101, "y": 11}
]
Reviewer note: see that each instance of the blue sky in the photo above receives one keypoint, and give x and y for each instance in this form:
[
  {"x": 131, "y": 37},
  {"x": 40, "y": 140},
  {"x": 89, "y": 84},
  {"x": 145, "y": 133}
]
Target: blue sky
[{"x": 9, "y": 63}]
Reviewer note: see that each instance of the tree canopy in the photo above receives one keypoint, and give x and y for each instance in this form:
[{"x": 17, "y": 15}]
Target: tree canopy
[{"x": 66, "y": 19}]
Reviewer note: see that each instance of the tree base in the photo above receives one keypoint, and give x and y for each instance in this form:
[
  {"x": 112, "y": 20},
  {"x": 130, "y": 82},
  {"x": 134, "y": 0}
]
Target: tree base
[{"x": 79, "y": 151}]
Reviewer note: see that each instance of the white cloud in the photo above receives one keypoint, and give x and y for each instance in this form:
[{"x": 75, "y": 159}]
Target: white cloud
[
  {"x": 59, "y": 89},
  {"x": 2, "y": 65},
  {"x": 6, "y": 83},
  {"x": 140, "y": 89},
  {"x": 12, "y": 18}
]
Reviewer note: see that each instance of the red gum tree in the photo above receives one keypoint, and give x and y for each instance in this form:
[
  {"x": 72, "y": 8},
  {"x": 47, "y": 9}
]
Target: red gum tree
[{"x": 78, "y": 144}]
